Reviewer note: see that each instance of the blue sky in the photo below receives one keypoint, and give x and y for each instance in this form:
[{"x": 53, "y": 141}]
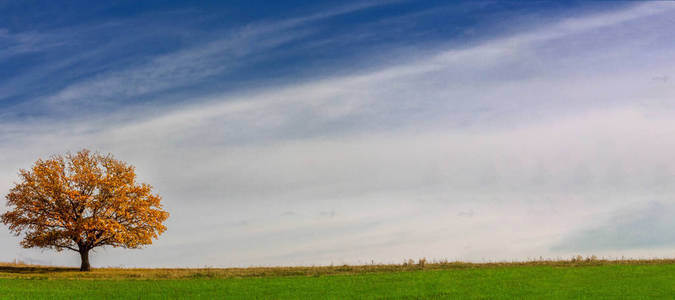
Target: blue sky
[
  {"x": 337, "y": 132},
  {"x": 176, "y": 51}
]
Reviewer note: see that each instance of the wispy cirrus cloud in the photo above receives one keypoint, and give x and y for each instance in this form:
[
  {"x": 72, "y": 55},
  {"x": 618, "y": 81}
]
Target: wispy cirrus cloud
[
  {"x": 477, "y": 86},
  {"x": 12, "y": 44},
  {"x": 172, "y": 71},
  {"x": 234, "y": 51},
  {"x": 103, "y": 67}
]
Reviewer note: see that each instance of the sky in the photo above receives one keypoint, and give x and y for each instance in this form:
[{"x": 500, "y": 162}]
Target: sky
[{"x": 294, "y": 133}]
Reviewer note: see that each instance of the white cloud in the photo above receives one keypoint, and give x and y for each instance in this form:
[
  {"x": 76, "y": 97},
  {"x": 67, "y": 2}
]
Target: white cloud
[{"x": 642, "y": 227}]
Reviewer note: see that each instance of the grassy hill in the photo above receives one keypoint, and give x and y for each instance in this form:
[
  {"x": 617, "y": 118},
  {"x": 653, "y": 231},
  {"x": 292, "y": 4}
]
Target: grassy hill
[{"x": 590, "y": 279}]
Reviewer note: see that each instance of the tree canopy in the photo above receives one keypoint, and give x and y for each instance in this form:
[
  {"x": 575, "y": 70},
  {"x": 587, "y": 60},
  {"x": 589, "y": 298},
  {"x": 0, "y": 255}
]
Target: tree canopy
[{"x": 82, "y": 201}]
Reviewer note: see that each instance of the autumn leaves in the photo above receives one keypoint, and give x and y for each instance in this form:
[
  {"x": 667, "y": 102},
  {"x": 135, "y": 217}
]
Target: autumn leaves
[{"x": 82, "y": 201}]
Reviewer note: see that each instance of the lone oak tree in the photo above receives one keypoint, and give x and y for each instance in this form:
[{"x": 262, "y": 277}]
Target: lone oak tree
[{"x": 83, "y": 201}]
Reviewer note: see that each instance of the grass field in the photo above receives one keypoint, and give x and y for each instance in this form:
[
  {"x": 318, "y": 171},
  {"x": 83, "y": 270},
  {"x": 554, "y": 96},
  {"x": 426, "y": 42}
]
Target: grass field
[{"x": 593, "y": 279}]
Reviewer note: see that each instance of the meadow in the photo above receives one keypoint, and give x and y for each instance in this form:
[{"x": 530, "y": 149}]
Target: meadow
[{"x": 577, "y": 278}]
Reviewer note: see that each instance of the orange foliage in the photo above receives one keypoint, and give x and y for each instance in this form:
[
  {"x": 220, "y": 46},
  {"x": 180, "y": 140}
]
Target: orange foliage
[{"x": 82, "y": 201}]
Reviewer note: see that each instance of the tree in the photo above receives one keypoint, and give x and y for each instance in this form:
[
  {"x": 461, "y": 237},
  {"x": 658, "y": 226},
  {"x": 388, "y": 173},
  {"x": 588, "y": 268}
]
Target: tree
[{"x": 82, "y": 201}]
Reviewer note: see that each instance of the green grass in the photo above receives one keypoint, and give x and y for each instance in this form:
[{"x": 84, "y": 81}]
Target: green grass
[{"x": 536, "y": 281}]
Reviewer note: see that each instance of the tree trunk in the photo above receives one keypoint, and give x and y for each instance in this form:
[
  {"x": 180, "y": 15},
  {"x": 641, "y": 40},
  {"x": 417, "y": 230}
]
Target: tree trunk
[{"x": 84, "y": 255}]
